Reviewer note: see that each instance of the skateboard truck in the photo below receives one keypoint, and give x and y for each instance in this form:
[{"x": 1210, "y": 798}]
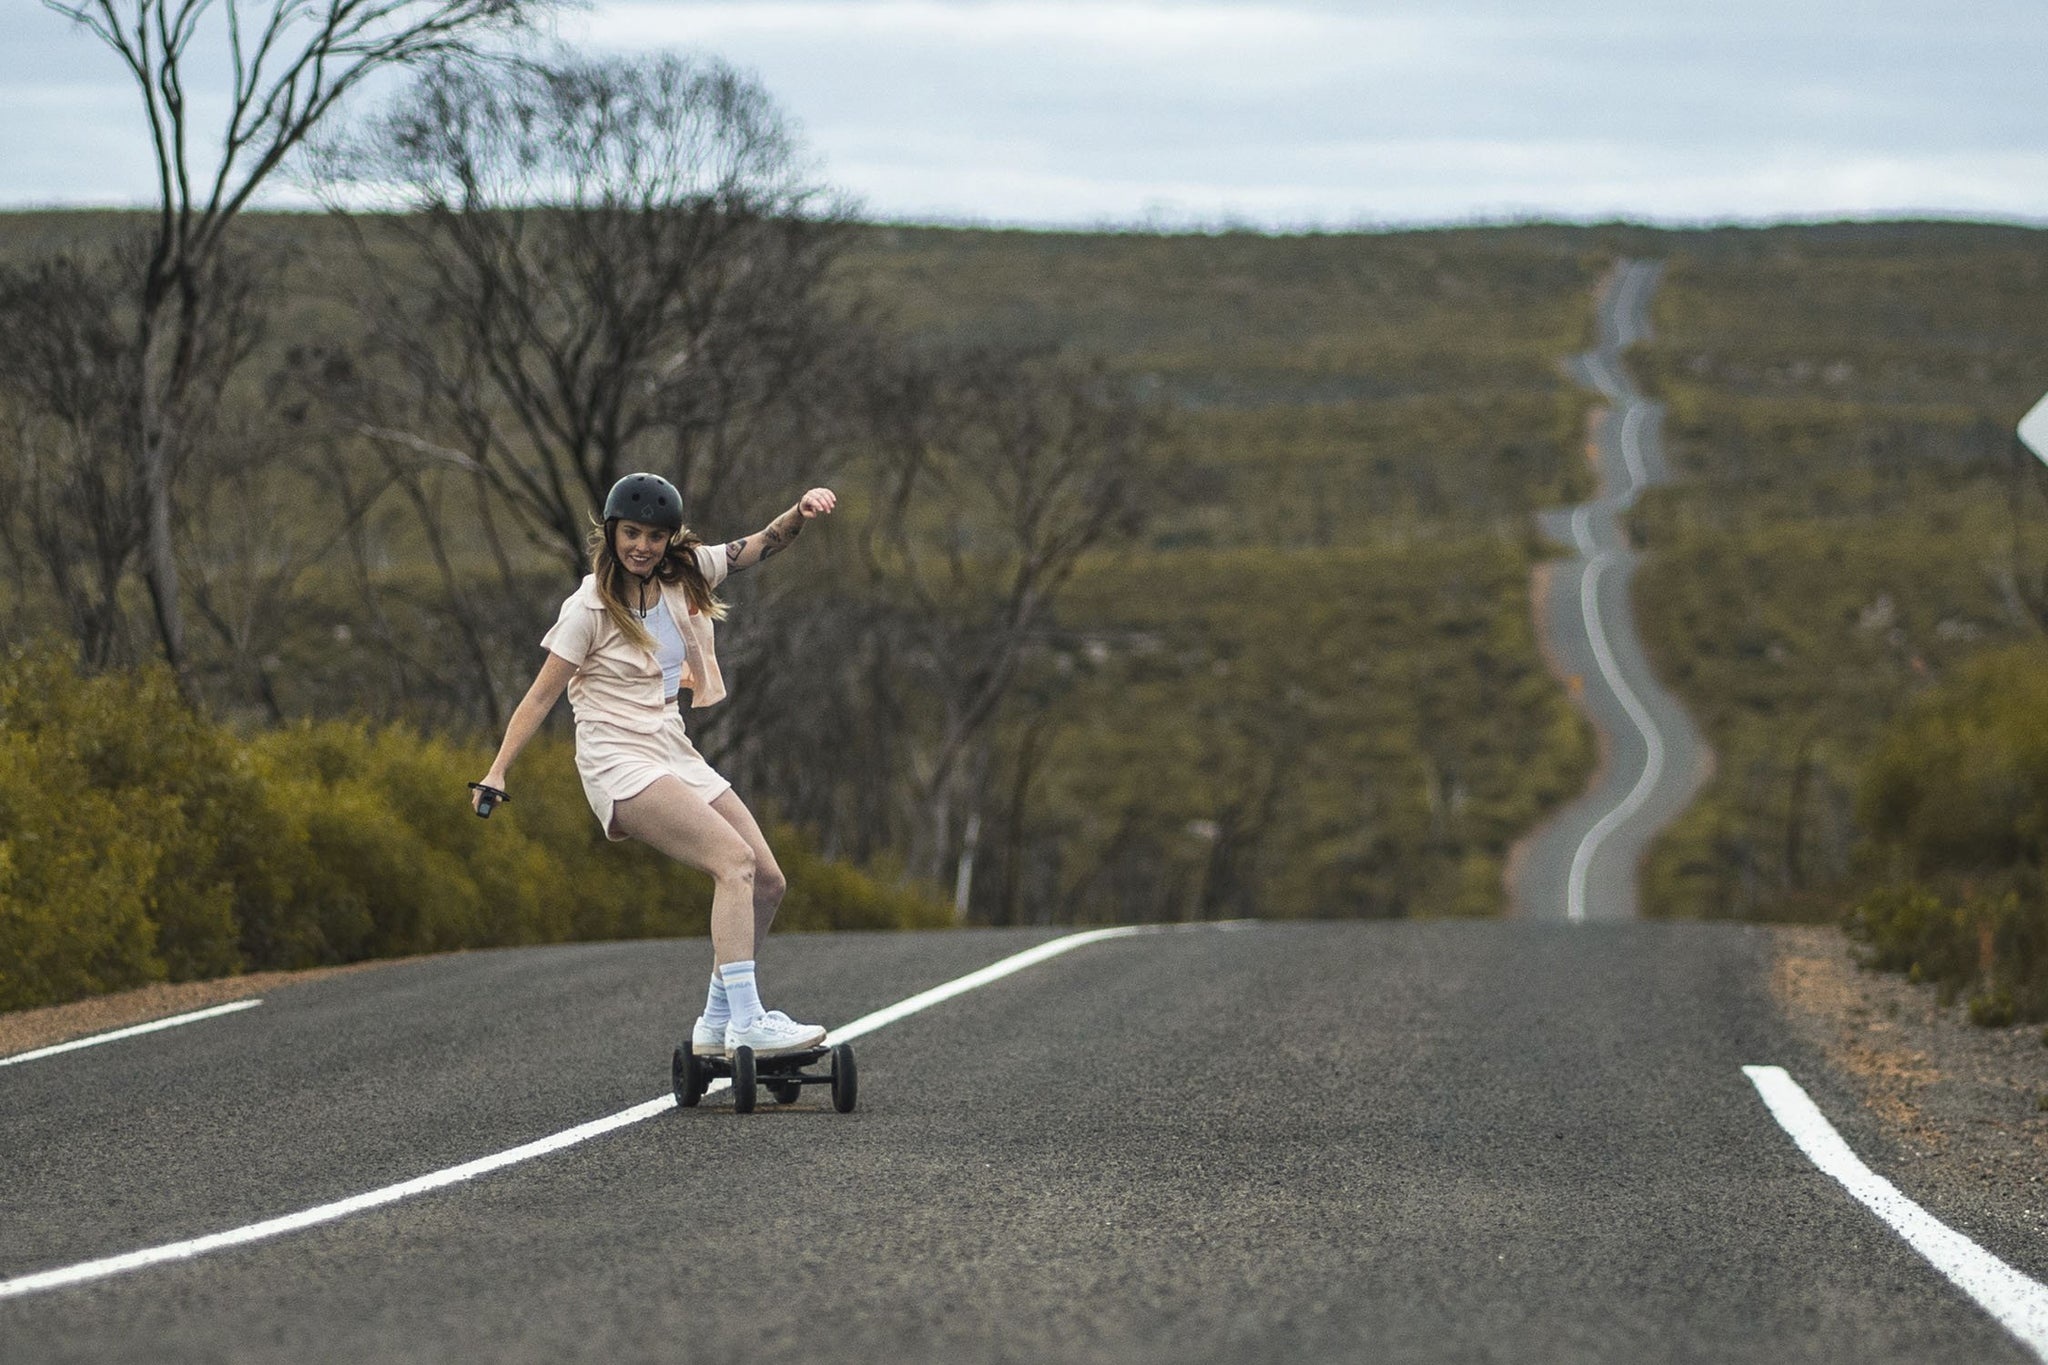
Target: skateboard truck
[{"x": 491, "y": 797}]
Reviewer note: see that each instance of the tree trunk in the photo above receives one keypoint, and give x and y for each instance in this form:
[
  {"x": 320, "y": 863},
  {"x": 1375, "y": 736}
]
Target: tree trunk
[
  {"x": 963, "y": 881},
  {"x": 154, "y": 459},
  {"x": 465, "y": 612},
  {"x": 160, "y": 562}
]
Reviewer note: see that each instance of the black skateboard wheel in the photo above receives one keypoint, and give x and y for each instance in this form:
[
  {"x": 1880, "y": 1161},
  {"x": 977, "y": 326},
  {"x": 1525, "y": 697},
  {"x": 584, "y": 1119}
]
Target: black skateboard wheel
[
  {"x": 845, "y": 1079},
  {"x": 743, "y": 1080},
  {"x": 691, "y": 1077}
]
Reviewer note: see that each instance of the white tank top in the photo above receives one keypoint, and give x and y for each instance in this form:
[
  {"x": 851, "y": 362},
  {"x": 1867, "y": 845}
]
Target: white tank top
[{"x": 668, "y": 649}]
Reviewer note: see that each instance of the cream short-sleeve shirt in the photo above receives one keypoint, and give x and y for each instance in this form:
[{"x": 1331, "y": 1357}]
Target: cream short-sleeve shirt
[{"x": 616, "y": 681}]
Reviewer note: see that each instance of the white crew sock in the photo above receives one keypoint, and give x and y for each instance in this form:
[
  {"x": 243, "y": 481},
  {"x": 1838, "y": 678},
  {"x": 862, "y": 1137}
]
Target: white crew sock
[
  {"x": 716, "y": 1010},
  {"x": 741, "y": 999}
]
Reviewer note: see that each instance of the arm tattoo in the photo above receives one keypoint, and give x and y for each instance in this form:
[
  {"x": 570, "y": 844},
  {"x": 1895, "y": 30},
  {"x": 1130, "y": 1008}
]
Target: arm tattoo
[
  {"x": 776, "y": 538},
  {"x": 772, "y": 540}
]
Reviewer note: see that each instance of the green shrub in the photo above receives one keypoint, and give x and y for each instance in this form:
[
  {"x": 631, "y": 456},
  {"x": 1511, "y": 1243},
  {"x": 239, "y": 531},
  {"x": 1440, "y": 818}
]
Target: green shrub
[
  {"x": 828, "y": 895},
  {"x": 1956, "y": 795},
  {"x": 130, "y": 821},
  {"x": 1988, "y": 948},
  {"x": 139, "y": 843},
  {"x": 1993, "y": 1009},
  {"x": 1909, "y": 929},
  {"x": 74, "y": 913},
  {"x": 1960, "y": 782}
]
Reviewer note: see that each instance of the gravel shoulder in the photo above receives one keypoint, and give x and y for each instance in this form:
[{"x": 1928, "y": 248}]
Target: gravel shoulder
[
  {"x": 26, "y": 1030},
  {"x": 1963, "y": 1104}
]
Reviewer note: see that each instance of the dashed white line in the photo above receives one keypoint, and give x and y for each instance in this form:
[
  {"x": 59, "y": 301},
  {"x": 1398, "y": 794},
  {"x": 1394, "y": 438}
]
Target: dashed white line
[
  {"x": 151, "y": 1027},
  {"x": 569, "y": 1137},
  {"x": 2018, "y": 1302}
]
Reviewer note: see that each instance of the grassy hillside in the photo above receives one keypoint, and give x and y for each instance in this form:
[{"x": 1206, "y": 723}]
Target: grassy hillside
[
  {"x": 1315, "y": 689},
  {"x": 1850, "y": 524},
  {"x": 1359, "y": 731},
  {"x": 1338, "y": 389}
]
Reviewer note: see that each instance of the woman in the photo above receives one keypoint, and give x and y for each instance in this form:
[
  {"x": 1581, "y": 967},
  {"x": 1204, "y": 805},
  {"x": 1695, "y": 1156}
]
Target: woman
[{"x": 636, "y": 633}]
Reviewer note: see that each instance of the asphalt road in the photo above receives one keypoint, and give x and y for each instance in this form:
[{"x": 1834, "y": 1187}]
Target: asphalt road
[
  {"x": 1582, "y": 864},
  {"x": 1340, "y": 1141}
]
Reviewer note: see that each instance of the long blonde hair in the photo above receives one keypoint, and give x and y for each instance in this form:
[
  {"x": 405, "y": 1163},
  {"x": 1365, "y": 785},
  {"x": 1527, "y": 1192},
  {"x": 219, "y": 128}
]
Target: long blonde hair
[{"x": 679, "y": 565}]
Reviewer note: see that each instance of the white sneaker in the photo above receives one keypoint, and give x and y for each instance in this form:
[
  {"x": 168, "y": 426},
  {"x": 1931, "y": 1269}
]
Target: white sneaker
[
  {"x": 706, "y": 1039},
  {"x": 773, "y": 1032}
]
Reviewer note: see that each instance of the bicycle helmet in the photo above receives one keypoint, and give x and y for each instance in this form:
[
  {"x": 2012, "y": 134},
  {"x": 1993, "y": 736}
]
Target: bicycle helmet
[{"x": 647, "y": 498}]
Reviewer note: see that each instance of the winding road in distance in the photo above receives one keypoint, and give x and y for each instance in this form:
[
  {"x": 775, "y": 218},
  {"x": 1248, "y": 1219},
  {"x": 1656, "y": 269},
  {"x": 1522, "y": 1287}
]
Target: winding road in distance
[{"x": 1582, "y": 864}]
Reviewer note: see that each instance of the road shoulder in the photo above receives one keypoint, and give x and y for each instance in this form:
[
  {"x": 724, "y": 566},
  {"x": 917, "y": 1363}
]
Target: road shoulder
[
  {"x": 25, "y": 1030},
  {"x": 1964, "y": 1102}
]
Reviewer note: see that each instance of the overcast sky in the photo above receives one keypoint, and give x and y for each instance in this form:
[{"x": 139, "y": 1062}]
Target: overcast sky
[{"x": 1285, "y": 113}]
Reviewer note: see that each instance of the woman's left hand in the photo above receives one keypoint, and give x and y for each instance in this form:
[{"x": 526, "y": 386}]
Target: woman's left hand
[{"x": 819, "y": 502}]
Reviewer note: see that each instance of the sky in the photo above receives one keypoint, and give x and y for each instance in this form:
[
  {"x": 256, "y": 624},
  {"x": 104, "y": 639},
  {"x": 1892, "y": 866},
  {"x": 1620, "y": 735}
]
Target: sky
[{"x": 1282, "y": 114}]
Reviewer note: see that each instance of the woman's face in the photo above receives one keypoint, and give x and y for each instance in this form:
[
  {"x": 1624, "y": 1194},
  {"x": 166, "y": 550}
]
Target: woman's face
[{"x": 640, "y": 546}]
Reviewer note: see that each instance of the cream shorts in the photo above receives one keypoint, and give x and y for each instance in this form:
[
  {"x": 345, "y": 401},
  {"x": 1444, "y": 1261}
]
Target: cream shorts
[{"x": 616, "y": 763}]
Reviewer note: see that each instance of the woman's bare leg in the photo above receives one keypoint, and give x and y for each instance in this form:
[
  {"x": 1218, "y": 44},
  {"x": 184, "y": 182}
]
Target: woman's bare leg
[
  {"x": 674, "y": 820},
  {"x": 769, "y": 883}
]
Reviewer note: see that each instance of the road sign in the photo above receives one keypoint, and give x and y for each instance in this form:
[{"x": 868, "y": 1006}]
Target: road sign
[{"x": 2034, "y": 430}]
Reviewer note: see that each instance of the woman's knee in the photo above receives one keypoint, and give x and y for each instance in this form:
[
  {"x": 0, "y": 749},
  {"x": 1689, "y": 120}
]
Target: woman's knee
[
  {"x": 736, "y": 865},
  {"x": 769, "y": 883}
]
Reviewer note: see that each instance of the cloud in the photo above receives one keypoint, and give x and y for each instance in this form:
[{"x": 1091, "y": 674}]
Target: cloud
[
  {"x": 1066, "y": 110},
  {"x": 1291, "y": 111}
]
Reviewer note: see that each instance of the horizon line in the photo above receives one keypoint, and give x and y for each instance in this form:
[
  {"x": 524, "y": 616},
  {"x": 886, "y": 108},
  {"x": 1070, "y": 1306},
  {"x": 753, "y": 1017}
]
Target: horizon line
[{"x": 1232, "y": 225}]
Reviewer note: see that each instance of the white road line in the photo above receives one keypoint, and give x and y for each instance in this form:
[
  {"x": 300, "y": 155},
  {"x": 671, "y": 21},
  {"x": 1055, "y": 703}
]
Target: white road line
[
  {"x": 1631, "y": 453},
  {"x": 151, "y": 1027},
  {"x": 569, "y": 1137},
  {"x": 1606, "y": 379},
  {"x": 1626, "y": 328},
  {"x": 1623, "y": 282},
  {"x": 1653, "y": 765},
  {"x": 1582, "y": 528},
  {"x": 1633, "y": 410},
  {"x": 2019, "y": 1303},
  {"x": 327, "y": 1213},
  {"x": 1631, "y": 317},
  {"x": 995, "y": 971}
]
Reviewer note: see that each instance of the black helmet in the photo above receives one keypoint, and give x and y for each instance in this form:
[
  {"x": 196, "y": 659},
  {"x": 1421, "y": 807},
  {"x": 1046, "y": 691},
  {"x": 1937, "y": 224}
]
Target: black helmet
[{"x": 646, "y": 498}]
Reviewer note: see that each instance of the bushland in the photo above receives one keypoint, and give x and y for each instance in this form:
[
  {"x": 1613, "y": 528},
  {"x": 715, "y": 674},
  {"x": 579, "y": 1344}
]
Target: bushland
[
  {"x": 1850, "y": 525},
  {"x": 1955, "y": 799},
  {"x": 140, "y": 842}
]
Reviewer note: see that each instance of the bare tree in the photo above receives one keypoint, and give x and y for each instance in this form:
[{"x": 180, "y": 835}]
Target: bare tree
[
  {"x": 1001, "y": 474},
  {"x": 256, "y": 520},
  {"x": 67, "y": 387},
  {"x": 290, "y": 61},
  {"x": 614, "y": 265},
  {"x": 330, "y": 393}
]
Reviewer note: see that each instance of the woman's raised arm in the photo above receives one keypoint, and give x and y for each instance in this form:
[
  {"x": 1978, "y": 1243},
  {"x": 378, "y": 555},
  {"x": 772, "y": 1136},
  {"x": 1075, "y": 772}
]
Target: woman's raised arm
[{"x": 777, "y": 535}]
